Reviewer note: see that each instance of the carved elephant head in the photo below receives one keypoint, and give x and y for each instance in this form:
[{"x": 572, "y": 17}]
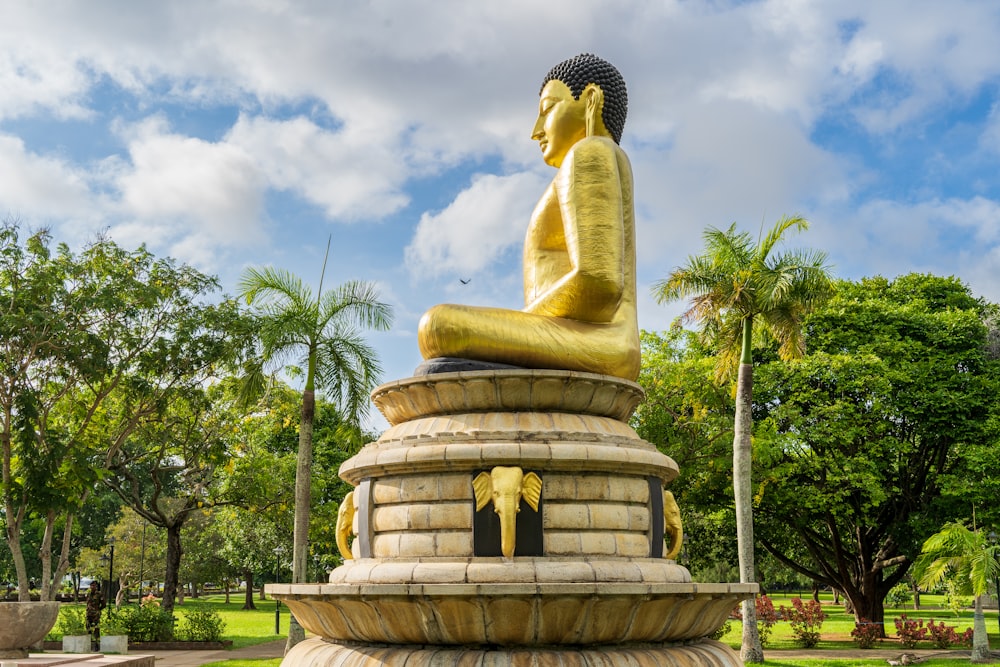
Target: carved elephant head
[
  {"x": 345, "y": 525},
  {"x": 505, "y": 486},
  {"x": 672, "y": 524}
]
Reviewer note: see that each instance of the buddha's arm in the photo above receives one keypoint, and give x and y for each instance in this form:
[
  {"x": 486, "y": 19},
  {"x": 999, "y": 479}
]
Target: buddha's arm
[{"x": 589, "y": 189}]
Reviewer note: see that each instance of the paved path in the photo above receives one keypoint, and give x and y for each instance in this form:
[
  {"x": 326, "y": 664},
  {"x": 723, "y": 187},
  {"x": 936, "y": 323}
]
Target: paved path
[{"x": 273, "y": 649}]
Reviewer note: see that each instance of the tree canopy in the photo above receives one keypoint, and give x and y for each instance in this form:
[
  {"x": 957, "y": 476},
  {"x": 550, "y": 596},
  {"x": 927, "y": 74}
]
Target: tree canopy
[{"x": 858, "y": 442}]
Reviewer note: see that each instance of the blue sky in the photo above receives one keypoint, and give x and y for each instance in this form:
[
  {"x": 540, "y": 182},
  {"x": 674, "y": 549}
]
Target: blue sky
[{"x": 228, "y": 134}]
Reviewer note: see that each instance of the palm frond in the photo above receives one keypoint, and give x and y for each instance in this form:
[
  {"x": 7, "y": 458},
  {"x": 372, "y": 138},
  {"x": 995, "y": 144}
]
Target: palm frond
[
  {"x": 268, "y": 285},
  {"x": 777, "y": 233}
]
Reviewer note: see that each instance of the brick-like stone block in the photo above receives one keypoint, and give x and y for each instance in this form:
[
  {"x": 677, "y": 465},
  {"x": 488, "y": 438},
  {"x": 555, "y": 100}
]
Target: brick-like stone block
[
  {"x": 455, "y": 487},
  {"x": 456, "y": 544},
  {"x": 391, "y": 518},
  {"x": 606, "y": 516},
  {"x": 566, "y": 516},
  {"x": 593, "y": 487},
  {"x": 632, "y": 545},
  {"x": 415, "y": 545},
  {"x": 450, "y": 516},
  {"x": 562, "y": 544},
  {"x": 598, "y": 544},
  {"x": 559, "y": 487},
  {"x": 387, "y": 490}
]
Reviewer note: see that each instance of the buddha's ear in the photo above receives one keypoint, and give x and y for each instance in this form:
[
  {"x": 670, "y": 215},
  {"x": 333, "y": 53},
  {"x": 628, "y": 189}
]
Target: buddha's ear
[{"x": 594, "y": 97}]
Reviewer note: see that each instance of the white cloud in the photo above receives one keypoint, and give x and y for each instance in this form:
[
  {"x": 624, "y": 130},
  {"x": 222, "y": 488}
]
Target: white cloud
[
  {"x": 485, "y": 219},
  {"x": 212, "y": 189},
  {"x": 33, "y": 185},
  {"x": 351, "y": 173}
]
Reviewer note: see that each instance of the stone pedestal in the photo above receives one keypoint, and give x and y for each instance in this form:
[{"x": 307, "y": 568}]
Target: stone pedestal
[{"x": 586, "y": 583}]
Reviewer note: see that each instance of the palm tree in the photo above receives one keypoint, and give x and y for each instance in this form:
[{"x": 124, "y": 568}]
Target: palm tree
[
  {"x": 320, "y": 333},
  {"x": 733, "y": 285},
  {"x": 972, "y": 562}
]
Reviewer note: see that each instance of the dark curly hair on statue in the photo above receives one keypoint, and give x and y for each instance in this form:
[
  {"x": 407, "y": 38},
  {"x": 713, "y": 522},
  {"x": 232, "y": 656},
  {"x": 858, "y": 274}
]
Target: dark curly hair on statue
[{"x": 586, "y": 68}]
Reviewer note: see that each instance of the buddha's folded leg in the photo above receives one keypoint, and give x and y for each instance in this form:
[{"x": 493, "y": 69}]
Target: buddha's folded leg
[{"x": 529, "y": 340}]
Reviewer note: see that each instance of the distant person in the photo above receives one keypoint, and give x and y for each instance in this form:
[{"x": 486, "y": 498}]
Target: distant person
[{"x": 95, "y": 604}]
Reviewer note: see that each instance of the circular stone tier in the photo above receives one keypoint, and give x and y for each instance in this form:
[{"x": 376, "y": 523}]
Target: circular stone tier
[
  {"x": 512, "y": 614},
  {"x": 520, "y": 570},
  {"x": 316, "y": 652},
  {"x": 23, "y": 624},
  {"x": 520, "y": 390}
]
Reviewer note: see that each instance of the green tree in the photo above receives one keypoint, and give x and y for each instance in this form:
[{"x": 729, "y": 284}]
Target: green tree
[
  {"x": 321, "y": 332},
  {"x": 864, "y": 443},
  {"x": 972, "y": 562},
  {"x": 76, "y": 330},
  {"x": 733, "y": 285},
  {"x": 166, "y": 470}
]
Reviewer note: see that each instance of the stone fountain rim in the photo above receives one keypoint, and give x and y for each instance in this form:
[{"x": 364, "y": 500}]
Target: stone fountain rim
[{"x": 523, "y": 589}]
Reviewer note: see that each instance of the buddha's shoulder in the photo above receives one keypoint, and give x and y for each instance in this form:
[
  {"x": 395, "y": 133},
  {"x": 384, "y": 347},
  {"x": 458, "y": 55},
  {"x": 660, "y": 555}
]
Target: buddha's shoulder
[{"x": 596, "y": 148}]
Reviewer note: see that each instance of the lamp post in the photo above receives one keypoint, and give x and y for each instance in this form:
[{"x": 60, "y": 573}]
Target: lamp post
[
  {"x": 142, "y": 556},
  {"x": 278, "y": 551}
]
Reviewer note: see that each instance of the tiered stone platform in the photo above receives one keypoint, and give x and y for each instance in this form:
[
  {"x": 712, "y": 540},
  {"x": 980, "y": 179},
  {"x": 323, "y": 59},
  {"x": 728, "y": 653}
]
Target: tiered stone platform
[{"x": 587, "y": 583}]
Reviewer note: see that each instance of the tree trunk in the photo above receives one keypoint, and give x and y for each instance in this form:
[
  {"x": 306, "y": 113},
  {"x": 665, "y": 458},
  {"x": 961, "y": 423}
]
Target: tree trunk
[
  {"x": 303, "y": 501},
  {"x": 45, "y": 556},
  {"x": 248, "y": 597},
  {"x": 14, "y": 544},
  {"x": 63, "y": 565},
  {"x": 751, "y": 649},
  {"x": 170, "y": 576},
  {"x": 980, "y": 640},
  {"x": 867, "y": 605}
]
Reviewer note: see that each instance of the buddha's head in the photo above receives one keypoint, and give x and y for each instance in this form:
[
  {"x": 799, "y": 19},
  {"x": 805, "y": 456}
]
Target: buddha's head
[{"x": 580, "y": 97}]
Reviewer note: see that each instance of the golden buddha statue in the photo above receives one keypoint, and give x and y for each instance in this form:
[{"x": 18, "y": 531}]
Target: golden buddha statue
[{"x": 579, "y": 251}]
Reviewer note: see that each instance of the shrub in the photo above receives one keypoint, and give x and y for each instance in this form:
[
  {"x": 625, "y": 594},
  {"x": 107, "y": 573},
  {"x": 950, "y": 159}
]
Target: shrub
[
  {"x": 898, "y": 595},
  {"x": 910, "y": 632},
  {"x": 723, "y": 630},
  {"x": 147, "y": 623},
  {"x": 866, "y": 634},
  {"x": 72, "y": 621},
  {"x": 202, "y": 626},
  {"x": 943, "y": 636},
  {"x": 806, "y": 618},
  {"x": 114, "y": 623},
  {"x": 766, "y": 617}
]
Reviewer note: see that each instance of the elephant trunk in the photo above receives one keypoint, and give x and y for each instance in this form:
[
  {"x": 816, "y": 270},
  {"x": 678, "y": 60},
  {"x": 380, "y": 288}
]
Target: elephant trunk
[{"x": 507, "y": 508}]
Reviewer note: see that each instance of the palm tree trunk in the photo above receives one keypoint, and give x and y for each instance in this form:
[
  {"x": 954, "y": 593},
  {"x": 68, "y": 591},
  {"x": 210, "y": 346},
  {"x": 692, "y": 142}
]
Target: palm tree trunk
[
  {"x": 751, "y": 649},
  {"x": 303, "y": 499},
  {"x": 980, "y": 640}
]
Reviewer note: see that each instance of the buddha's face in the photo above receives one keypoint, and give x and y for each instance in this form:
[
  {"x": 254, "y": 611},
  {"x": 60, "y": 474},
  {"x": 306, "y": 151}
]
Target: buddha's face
[{"x": 561, "y": 122}]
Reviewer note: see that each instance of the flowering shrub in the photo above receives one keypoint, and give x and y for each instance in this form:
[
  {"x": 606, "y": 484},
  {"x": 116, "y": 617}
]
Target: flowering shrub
[
  {"x": 866, "y": 633},
  {"x": 910, "y": 632},
  {"x": 806, "y": 618},
  {"x": 766, "y": 617},
  {"x": 149, "y": 600},
  {"x": 943, "y": 636}
]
